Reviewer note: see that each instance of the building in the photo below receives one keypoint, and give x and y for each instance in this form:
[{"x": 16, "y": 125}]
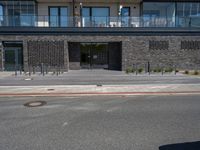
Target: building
[{"x": 114, "y": 34}]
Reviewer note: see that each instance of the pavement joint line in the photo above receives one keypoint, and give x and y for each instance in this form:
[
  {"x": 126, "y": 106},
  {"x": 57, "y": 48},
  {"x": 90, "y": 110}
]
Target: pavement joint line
[
  {"x": 103, "y": 85},
  {"x": 100, "y": 93}
]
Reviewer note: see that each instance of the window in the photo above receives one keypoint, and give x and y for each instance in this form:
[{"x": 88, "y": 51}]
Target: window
[
  {"x": 188, "y": 14},
  {"x": 58, "y": 16},
  {"x": 159, "y": 14},
  {"x": 1, "y": 15},
  {"x": 125, "y": 14},
  {"x": 20, "y": 12},
  {"x": 95, "y": 16}
]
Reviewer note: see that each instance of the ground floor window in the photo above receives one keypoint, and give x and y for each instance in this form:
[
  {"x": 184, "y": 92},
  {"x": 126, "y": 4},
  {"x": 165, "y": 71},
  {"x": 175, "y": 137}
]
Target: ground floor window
[{"x": 99, "y": 55}]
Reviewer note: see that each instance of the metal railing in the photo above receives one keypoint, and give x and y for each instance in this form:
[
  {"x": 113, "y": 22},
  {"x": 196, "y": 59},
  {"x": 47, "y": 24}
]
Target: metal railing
[{"x": 64, "y": 21}]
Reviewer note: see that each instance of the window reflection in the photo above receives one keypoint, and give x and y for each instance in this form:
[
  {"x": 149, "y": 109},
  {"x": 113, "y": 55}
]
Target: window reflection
[
  {"x": 125, "y": 14},
  {"x": 159, "y": 14},
  {"x": 58, "y": 16},
  {"x": 95, "y": 16},
  {"x": 1, "y": 15},
  {"x": 187, "y": 14},
  {"x": 18, "y": 13}
]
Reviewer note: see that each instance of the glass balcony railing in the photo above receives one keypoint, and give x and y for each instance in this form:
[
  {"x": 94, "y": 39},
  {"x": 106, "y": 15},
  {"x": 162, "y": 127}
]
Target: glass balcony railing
[{"x": 64, "y": 21}]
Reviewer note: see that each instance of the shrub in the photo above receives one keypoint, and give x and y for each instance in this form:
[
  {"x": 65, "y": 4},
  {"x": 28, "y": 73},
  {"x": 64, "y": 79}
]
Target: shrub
[
  {"x": 140, "y": 70},
  {"x": 196, "y": 72},
  {"x": 157, "y": 70},
  {"x": 129, "y": 70},
  {"x": 186, "y": 72},
  {"x": 168, "y": 70}
]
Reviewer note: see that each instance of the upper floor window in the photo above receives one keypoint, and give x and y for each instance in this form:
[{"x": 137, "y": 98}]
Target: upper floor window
[
  {"x": 95, "y": 16},
  {"x": 1, "y": 14},
  {"x": 19, "y": 12},
  {"x": 125, "y": 14},
  {"x": 58, "y": 16},
  {"x": 159, "y": 14},
  {"x": 188, "y": 14}
]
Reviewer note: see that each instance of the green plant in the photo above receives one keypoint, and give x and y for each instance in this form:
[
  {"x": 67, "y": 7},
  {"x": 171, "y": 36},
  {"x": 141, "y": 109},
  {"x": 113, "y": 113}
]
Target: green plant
[
  {"x": 168, "y": 70},
  {"x": 140, "y": 70},
  {"x": 129, "y": 70},
  {"x": 196, "y": 72},
  {"x": 186, "y": 72},
  {"x": 157, "y": 70}
]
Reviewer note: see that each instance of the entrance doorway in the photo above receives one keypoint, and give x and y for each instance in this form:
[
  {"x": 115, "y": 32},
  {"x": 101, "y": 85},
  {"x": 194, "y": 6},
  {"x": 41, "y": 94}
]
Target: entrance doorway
[
  {"x": 13, "y": 56},
  {"x": 94, "y": 55}
]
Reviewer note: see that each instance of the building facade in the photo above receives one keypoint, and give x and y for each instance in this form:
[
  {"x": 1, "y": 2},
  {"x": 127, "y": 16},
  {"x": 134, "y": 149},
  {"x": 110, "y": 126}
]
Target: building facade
[{"x": 99, "y": 34}]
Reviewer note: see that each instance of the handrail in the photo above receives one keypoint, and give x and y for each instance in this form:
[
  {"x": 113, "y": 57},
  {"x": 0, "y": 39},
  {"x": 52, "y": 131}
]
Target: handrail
[{"x": 78, "y": 21}]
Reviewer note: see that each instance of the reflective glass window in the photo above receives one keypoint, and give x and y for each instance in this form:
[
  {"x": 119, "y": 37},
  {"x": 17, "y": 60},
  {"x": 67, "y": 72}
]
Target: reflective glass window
[
  {"x": 1, "y": 14},
  {"x": 58, "y": 16},
  {"x": 20, "y": 12},
  {"x": 159, "y": 14},
  {"x": 188, "y": 14},
  {"x": 125, "y": 14},
  {"x": 95, "y": 16}
]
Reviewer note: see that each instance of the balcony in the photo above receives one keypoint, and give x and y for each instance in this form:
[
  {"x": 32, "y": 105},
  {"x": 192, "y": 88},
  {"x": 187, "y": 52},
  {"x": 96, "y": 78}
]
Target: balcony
[{"x": 98, "y": 22}]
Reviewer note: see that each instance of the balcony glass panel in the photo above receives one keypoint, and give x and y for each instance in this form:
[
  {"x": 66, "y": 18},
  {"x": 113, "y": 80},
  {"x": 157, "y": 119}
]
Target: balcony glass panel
[
  {"x": 188, "y": 14},
  {"x": 95, "y": 16},
  {"x": 159, "y": 14},
  {"x": 86, "y": 17},
  {"x": 18, "y": 13},
  {"x": 125, "y": 16},
  {"x": 1, "y": 14},
  {"x": 54, "y": 16},
  {"x": 58, "y": 16},
  {"x": 63, "y": 17}
]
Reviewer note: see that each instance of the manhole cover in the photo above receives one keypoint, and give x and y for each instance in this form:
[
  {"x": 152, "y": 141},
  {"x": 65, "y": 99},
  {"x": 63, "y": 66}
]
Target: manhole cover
[{"x": 35, "y": 103}]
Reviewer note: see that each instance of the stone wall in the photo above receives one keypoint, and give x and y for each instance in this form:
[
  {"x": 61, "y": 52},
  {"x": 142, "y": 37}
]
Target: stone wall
[{"x": 135, "y": 49}]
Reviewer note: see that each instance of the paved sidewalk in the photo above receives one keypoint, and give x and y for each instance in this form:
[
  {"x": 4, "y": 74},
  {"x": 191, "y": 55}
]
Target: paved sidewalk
[
  {"x": 94, "y": 77},
  {"x": 68, "y": 90}
]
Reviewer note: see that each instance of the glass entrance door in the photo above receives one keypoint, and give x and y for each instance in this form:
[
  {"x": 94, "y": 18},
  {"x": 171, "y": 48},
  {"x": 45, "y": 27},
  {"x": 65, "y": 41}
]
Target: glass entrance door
[
  {"x": 13, "y": 58},
  {"x": 94, "y": 55}
]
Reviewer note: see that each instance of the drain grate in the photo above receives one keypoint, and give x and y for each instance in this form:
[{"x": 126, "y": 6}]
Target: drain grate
[{"x": 35, "y": 103}]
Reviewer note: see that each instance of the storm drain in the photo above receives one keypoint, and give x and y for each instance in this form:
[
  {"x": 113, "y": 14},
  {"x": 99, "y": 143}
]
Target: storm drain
[{"x": 35, "y": 104}]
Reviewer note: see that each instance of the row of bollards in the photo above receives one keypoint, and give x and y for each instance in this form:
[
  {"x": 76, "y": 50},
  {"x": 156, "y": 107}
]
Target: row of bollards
[{"x": 41, "y": 69}]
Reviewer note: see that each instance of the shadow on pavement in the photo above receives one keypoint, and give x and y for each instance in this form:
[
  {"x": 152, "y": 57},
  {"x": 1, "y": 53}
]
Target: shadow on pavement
[{"x": 182, "y": 146}]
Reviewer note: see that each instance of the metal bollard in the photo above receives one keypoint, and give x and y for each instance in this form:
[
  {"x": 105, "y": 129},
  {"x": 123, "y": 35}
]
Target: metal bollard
[
  {"x": 15, "y": 71},
  {"x": 175, "y": 70},
  {"x": 20, "y": 70},
  {"x": 148, "y": 66},
  {"x": 57, "y": 70},
  {"x": 136, "y": 70},
  {"x": 46, "y": 69},
  {"x": 29, "y": 71},
  {"x": 33, "y": 69}
]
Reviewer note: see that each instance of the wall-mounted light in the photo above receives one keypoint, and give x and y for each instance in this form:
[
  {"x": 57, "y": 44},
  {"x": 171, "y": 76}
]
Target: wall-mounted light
[{"x": 120, "y": 9}]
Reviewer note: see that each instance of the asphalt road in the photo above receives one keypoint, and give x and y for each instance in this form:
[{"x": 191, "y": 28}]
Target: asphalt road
[{"x": 101, "y": 123}]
